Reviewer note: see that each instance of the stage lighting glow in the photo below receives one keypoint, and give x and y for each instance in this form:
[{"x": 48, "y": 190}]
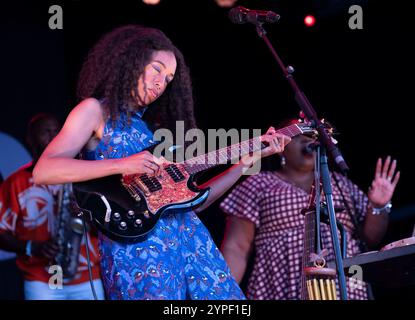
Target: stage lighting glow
[
  {"x": 309, "y": 21},
  {"x": 152, "y": 2},
  {"x": 225, "y": 3}
]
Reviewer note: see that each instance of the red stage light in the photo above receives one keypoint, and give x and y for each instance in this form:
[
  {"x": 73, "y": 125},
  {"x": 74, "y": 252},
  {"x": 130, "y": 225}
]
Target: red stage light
[{"x": 309, "y": 21}]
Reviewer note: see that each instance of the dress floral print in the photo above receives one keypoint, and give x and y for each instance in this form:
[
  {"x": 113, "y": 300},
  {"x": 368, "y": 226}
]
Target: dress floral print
[{"x": 178, "y": 260}]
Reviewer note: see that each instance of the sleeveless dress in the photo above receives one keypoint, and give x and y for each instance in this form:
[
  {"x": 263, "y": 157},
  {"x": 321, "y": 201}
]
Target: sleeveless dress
[{"x": 178, "y": 260}]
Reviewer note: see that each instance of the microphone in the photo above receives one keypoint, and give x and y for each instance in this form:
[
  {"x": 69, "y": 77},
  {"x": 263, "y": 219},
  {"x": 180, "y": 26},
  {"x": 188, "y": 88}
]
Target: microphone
[
  {"x": 241, "y": 15},
  {"x": 338, "y": 158}
]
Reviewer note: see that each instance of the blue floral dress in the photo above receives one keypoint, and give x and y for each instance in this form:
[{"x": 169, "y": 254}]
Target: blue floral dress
[{"x": 178, "y": 260}]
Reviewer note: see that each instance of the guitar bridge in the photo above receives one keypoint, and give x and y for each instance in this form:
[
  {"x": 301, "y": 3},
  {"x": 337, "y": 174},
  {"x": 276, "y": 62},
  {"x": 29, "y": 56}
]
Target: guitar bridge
[
  {"x": 144, "y": 183},
  {"x": 130, "y": 184}
]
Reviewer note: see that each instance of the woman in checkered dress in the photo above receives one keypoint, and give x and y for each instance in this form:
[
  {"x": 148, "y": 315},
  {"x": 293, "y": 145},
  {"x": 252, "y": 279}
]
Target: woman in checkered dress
[{"x": 264, "y": 215}]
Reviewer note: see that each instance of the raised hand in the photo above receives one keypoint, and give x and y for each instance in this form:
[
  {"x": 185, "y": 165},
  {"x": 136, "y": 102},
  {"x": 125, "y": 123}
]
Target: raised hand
[{"x": 384, "y": 184}]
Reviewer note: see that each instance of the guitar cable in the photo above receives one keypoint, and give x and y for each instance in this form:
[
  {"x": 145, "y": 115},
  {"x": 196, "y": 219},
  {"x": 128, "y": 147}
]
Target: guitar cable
[
  {"x": 88, "y": 254},
  {"x": 88, "y": 258}
]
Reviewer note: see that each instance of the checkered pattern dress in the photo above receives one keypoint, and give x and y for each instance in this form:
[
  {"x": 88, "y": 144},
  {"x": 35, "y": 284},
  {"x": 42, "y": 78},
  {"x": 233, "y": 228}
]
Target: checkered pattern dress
[{"x": 274, "y": 206}]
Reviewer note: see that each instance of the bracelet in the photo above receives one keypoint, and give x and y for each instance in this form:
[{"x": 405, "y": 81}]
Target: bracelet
[
  {"x": 29, "y": 248},
  {"x": 385, "y": 209}
]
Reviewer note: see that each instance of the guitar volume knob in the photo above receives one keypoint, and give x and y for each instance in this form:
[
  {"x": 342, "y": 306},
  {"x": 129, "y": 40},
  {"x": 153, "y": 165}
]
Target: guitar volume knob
[
  {"x": 123, "y": 225},
  {"x": 130, "y": 214},
  {"x": 138, "y": 222},
  {"x": 116, "y": 216}
]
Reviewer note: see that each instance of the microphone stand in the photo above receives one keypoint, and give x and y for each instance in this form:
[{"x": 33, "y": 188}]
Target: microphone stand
[{"x": 326, "y": 146}]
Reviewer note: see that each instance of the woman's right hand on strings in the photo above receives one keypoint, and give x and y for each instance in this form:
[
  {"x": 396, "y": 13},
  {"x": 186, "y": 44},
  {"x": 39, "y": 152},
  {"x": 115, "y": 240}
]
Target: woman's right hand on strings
[{"x": 143, "y": 162}]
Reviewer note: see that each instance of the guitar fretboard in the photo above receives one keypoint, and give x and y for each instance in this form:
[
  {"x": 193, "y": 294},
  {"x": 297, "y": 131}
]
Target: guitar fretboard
[{"x": 232, "y": 152}]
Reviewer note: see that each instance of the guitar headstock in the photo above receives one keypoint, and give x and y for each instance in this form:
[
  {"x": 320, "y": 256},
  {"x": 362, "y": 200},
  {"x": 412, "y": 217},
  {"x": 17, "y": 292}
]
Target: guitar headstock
[{"x": 308, "y": 128}]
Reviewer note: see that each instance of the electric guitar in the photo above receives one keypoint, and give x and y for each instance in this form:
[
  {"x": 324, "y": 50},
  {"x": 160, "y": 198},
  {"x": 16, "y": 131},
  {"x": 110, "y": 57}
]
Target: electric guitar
[{"x": 126, "y": 208}]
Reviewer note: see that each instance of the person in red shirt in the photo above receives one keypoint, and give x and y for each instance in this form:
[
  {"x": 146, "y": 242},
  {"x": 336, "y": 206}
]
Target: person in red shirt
[{"x": 29, "y": 216}]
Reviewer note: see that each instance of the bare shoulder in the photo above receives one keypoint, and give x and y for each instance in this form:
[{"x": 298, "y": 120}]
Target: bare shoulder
[
  {"x": 90, "y": 109},
  {"x": 79, "y": 128},
  {"x": 88, "y": 116}
]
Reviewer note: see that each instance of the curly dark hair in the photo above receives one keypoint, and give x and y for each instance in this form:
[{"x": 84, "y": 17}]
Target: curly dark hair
[{"x": 115, "y": 63}]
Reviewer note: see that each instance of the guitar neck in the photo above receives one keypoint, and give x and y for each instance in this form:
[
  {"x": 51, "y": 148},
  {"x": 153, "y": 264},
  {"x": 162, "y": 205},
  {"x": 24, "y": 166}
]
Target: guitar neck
[{"x": 235, "y": 151}]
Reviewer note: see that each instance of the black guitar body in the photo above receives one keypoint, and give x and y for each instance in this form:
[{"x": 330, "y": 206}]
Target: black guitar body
[{"x": 129, "y": 220}]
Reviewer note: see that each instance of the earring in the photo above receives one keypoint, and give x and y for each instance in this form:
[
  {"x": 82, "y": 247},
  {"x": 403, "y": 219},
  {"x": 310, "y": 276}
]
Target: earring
[{"x": 282, "y": 161}]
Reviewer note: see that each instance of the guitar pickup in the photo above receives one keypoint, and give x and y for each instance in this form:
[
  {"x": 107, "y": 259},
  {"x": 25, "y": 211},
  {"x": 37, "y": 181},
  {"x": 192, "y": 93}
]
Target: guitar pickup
[{"x": 175, "y": 173}]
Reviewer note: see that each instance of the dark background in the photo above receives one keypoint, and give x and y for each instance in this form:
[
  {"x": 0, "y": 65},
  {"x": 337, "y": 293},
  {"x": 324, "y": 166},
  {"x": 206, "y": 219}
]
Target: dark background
[{"x": 360, "y": 80}]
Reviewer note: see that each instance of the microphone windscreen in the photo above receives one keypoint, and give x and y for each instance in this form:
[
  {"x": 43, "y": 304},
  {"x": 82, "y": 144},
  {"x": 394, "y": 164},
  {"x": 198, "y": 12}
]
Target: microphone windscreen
[
  {"x": 237, "y": 14},
  {"x": 272, "y": 17}
]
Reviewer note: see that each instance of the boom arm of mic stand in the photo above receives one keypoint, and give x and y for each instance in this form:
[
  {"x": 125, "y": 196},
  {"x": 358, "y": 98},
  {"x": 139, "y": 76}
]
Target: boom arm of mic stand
[
  {"x": 305, "y": 105},
  {"x": 327, "y": 146}
]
